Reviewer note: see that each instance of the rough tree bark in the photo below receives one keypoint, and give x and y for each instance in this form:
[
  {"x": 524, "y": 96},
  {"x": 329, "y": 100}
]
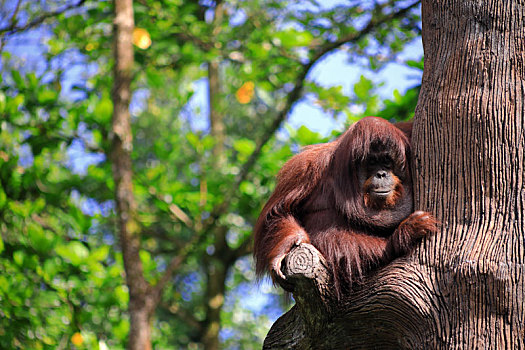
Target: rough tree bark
[
  {"x": 140, "y": 304},
  {"x": 464, "y": 287}
]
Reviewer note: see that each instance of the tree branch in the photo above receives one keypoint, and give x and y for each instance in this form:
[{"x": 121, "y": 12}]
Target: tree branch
[
  {"x": 12, "y": 28},
  {"x": 174, "y": 209},
  {"x": 372, "y": 24},
  {"x": 175, "y": 262},
  {"x": 306, "y": 272},
  {"x": 384, "y": 300},
  {"x": 203, "y": 45},
  {"x": 12, "y": 20},
  {"x": 173, "y": 265},
  {"x": 185, "y": 315}
]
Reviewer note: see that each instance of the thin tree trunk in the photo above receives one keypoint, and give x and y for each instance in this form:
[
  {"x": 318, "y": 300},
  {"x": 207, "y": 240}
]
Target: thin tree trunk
[
  {"x": 216, "y": 117},
  {"x": 215, "y": 291},
  {"x": 216, "y": 269},
  {"x": 217, "y": 264},
  {"x": 122, "y": 144}
]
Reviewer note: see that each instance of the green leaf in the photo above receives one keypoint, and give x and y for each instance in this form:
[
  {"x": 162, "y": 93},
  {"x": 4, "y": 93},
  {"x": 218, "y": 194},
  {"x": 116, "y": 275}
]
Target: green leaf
[
  {"x": 363, "y": 88},
  {"x": 97, "y": 137},
  {"x": 244, "y": 146},
  {"x": 41, "y": 240},
  {"x": 247, "y": 188},
  {"x": 32, "y": 80},
  {"x": 3, "y": 198},
  {"x": 155, "y": 78},
  {"x": 4, "y": 284},
  {"x": 122, "y": 329},
  {"x": 74, "y": 251},
  {"x": 47, "y": 96},
  {"x": 100, "y": 253},
  {"x": 145, "y": 257},
  {"x": 306, "y": 136},
  {"x": 14, "y": 103},
  {"x": 207, "y": 142},
  {"x": 21, "y": 209},
  {"x": 2, "y": 102},
  {"x": 50, "y": 269},
  {"x": 194, "y": 140},
  {"x": 293, "y": 38},
  {"x": 104, "y": 110},
  {"x": 17, "y": 78},
  {"x": 122, "y": 295},
  {"x": 415, "y": 64},
  {"x": 18, "y": 257}
]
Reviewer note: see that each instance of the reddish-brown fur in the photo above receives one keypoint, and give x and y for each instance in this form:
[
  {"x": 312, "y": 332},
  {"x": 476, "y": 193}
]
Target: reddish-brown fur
[{"x": 318, "y": 199}]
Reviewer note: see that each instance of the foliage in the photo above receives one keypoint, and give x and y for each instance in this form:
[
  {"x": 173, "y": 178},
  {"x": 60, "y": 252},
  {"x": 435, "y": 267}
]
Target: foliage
[
  {"x": 62, "y": 283},
  {"x": 59, "y": 276}
]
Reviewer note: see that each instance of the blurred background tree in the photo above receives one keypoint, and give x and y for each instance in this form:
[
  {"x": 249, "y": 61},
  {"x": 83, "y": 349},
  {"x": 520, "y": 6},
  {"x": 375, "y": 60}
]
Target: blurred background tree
[{"x": 213, "y": 83}]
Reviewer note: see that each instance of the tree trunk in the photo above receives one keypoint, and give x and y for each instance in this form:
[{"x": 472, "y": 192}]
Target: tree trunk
[
  {"x": 217, "y": 265},
  {"x": 464, "y": 287},
  {"x": 215, "y": 290},
  {"x": 469, "y": 153},
  {"x": 215, "y": 116},
  {"x": 140, "y": 307}
]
